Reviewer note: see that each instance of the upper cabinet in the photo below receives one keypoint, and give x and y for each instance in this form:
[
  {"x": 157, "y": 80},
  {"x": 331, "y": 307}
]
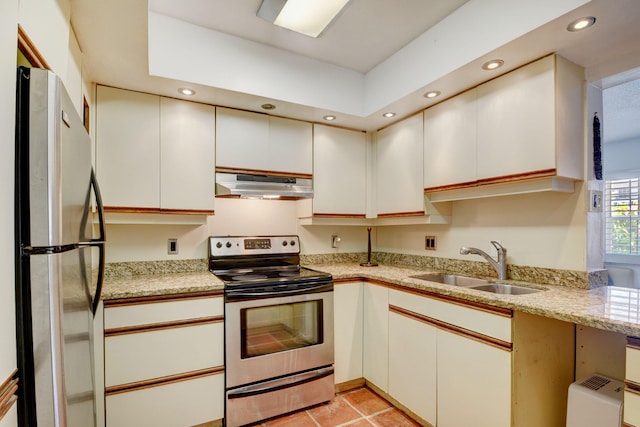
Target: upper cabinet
[
  {"x": 253, "y": 142},
  {"x": 399, "y": 163},
  {"x": 518, "y": 128},
  {"x": 150, "y": 149},
  {"x": 339, "y": 172}
]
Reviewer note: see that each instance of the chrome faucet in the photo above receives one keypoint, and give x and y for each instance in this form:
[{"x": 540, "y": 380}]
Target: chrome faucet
[{"x": 500, "y": 264}]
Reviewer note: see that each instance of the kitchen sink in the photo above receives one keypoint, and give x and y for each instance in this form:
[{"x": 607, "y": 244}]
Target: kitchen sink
[
  {"x": 475, "y": 283},
  {"x": 451, "y": 279},
  {"x": 504, "y": 288}
]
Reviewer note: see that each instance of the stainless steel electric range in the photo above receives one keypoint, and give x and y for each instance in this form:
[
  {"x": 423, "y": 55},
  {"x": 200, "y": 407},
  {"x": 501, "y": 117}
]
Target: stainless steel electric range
[{"x": 278, "y": 327}]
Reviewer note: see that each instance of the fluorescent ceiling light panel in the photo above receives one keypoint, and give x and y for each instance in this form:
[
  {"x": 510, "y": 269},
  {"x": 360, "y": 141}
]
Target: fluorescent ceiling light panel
[{"x": 309, "y": 17}]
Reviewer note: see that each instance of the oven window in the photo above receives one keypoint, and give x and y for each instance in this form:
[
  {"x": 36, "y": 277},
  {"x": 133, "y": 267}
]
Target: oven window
[{"x": 281, "y": 327}]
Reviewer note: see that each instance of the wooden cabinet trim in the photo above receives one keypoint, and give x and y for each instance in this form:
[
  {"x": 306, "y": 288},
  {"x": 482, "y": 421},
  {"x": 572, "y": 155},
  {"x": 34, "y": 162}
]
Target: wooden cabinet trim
[
  {"x": 225, "y": 169},
  {"x": 141, "y": 385},
  {"x": 633, "y": 342},
  {"x": 499, "y": 311},
  {"x": 502, "y": 345},
  {"x": 632, "y": 387},
  {"x": 8, "y": 396},
  {"x": 127, "y": 209},
  {"x": 120, "y": 302},
  {"x": 30, "y": 51},
  {"x": 495, "y": 180},
  {"x": 400, "y": 214},
  {"x": 160, "y": 326},
  {"x": 339, "y": 215}
]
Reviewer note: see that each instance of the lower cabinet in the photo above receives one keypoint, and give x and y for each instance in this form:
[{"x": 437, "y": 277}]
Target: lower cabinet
[
  {"x": 164, "y": 361},
  {"x": 632, "y": 383},
  {"x": 455, "y": 363},
  {"x": 375, "y": 363},
  {"x": 348, "y": 307}
]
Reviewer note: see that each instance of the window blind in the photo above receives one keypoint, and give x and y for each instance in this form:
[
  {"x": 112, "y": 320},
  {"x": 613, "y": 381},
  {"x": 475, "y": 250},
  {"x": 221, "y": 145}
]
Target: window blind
[{"x": 622, "y": 235}]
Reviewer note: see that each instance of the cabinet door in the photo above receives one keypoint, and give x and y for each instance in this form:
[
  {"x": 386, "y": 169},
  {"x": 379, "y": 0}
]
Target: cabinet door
[
  {"x": 339, "y": 171},
  {"x": 376, "y": 335},
  {"x": 290, "y": 146},
  {"x": 242, "y": 139},
  {"x": 128, "y": 148},
  {"x": 182, "y": 403},
  {"x": 348, "y": 308},
  {"x": 516, "y": 122},
  {"x": 399, "y": 161},
  {"x": 450, "y": 141},
  {"x": 187, "y": 135},
  {"x": 412, "y": 365},
  {"x": 474, "y": 382}
]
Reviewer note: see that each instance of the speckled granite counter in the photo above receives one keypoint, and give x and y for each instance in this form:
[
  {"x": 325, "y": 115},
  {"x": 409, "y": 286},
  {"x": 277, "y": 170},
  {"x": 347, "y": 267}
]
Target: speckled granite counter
[
  {"x": 159, "y": 284},
  {"x": 610, "y": 308}
]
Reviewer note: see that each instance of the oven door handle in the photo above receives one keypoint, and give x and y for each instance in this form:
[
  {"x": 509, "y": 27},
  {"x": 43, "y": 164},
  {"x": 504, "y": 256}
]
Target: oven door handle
[
  {"x": 279, "y": 384},
  {"x": 239, "y": 294}
]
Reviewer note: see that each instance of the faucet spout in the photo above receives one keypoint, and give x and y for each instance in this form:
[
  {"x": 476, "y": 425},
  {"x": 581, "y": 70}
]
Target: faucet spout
[{"x": 500, "y": 264}]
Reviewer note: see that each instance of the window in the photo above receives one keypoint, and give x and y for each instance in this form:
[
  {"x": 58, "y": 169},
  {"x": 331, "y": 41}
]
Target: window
[{"x": 622, "y": 235}]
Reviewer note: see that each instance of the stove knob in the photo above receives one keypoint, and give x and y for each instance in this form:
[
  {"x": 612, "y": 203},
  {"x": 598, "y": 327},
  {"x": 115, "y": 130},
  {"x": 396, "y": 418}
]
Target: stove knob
[
  {"x": 284, "y": 243},
  {"x": 293, "y": 243},
  {"x": 219, "y": 245},
  {"x": 228, "y": 244}
]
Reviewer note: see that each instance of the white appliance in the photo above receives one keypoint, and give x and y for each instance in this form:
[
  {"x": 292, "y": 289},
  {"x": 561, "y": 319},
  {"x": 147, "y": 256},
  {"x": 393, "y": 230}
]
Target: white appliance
[{"x": 595, "y": 401}]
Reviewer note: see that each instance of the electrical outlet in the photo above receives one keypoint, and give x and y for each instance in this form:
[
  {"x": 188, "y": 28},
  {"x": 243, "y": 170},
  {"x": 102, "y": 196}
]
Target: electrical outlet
[
  {"x": 335, "y": 241},
  {"x": 430, "y": 243},
  {"x": 172, "y": 247},
  {"x": 595, "y": 201}
]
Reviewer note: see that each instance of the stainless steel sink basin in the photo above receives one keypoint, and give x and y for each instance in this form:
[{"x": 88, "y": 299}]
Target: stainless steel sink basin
[
  {"x": 504, "y": 288},
  {"x": 451, "y": 279}
]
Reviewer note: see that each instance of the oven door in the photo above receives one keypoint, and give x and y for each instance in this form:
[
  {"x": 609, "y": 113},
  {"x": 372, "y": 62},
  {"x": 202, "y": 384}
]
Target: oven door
[{"x": 273, "y": 334}]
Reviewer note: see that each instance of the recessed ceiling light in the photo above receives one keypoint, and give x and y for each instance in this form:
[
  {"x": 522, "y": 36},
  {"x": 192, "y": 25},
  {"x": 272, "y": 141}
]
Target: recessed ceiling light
[
  {"x": 432, "y": 94},
  {"x": 581, "y": 23},
  {"x": 389, "y": 114},
  {"x": 309, "y": 17},
  {"x": 268, "y": 107},
  {"x": 186, "y": 91},
  {"x": 493, "y": 64},
  {"x": 329, "y": 117}
]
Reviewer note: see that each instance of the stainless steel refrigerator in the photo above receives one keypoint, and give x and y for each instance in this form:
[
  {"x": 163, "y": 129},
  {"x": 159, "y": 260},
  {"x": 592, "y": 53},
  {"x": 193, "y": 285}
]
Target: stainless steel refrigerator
[{"x": 57, "y": 286}]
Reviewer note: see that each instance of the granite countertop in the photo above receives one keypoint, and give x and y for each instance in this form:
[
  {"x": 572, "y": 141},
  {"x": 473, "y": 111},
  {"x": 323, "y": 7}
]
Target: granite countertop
[
  {"x": 160, "y": 284},
  {"x": 609, "y": 308}
]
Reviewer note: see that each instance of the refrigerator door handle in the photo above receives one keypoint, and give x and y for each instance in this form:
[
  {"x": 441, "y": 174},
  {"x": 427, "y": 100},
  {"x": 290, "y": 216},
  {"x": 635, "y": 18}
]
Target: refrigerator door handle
[{"x": 99, "y": 242}]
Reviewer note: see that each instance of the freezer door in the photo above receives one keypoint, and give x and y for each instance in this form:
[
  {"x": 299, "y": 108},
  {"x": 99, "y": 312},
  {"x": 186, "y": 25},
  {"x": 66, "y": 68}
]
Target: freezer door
[
  {"x": 62, "y": 339},
  {"x": 59, "y": 165}
]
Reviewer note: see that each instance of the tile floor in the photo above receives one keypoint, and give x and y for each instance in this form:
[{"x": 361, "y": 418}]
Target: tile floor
[{"x": 354, "y": 408}]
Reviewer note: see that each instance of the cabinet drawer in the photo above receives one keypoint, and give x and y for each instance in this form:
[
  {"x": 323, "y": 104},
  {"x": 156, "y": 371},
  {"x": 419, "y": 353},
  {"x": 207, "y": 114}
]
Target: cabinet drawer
[
  {"x": 162, "y": 311},
  {"x": 632, "y": 364},
  {"x": 139, "y": 356},
  {"x": 181, "y": 403},
  {"x": 632, "y": 408},
  {"x": 492, "y": 325}
]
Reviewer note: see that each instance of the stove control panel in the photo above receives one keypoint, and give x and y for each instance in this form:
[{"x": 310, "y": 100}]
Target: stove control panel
[{"x": 220, "y": 246}]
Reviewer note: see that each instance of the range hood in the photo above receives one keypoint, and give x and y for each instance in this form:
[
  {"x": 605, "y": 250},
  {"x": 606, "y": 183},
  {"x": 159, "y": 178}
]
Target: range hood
[{"x": 263, "y": 186}]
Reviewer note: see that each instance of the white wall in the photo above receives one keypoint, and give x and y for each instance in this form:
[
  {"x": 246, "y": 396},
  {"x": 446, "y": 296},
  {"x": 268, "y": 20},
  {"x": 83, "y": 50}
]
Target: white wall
[{"x": 8, "y": 32}]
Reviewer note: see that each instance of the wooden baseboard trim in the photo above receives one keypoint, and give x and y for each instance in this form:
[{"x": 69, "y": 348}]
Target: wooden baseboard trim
[
  {"x": 350, "y": 385},
  {"x": 214, "y": 423}
]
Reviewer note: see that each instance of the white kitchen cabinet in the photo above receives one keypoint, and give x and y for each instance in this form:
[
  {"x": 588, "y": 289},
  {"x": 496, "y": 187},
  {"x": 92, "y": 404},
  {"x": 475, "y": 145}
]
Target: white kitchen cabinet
[
  {"x": 474, "y": 382},
  {"x": 254, "y": 142},
  {"x": 399, "y": 160},
  {"x": 454, "y": 363},
  {"x": 164, "y": 361},
  {"x": 187, "y": 153},
  {"x": 128, "y": 148},
  {"x": 348, "y": 308},
  {"x": 412, "y": 364},
  {"x": 632, "y": 383},
  {"x": 450, "y": 141},
  {"x": 339, "y": 171},
  {"x": 527, "y": 127},
  {"x": 375, "y": 365},
  {"x": 154, "y": 154}
]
